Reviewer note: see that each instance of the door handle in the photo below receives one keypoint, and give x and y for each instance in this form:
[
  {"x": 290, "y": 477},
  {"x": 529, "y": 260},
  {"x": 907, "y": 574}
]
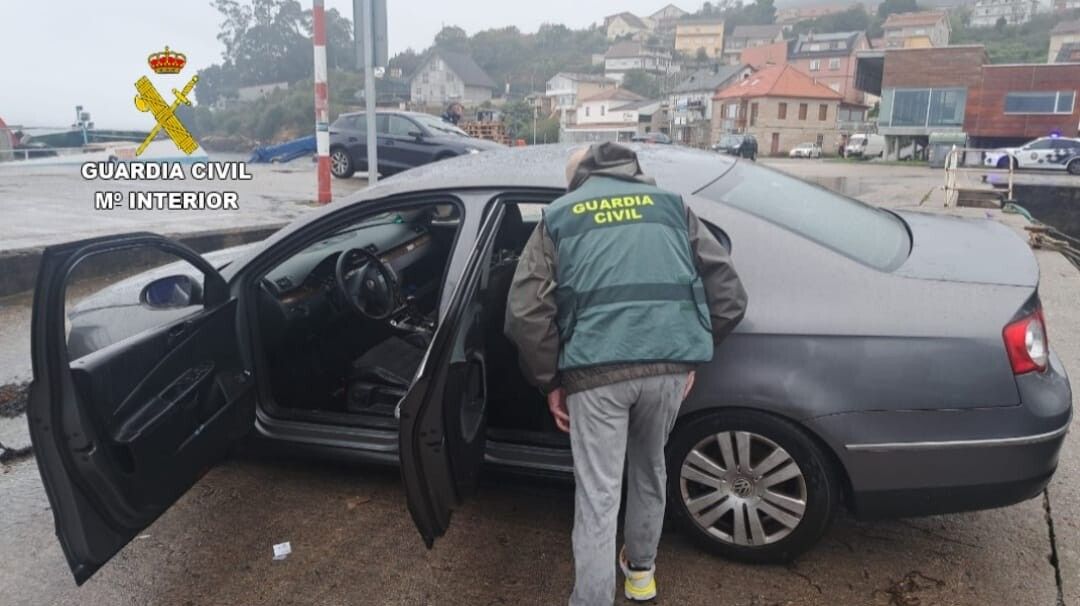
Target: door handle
[
  {"x": 387, "y": 142},
  {"x": 351, "y": 139},
  {"x": 175, "y": 333}
]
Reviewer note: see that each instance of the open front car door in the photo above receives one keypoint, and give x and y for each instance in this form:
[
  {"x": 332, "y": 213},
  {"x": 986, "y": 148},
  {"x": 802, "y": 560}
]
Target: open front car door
[
  {"x": 443, "y": 416},
  {"x": 138, "y": 389}
]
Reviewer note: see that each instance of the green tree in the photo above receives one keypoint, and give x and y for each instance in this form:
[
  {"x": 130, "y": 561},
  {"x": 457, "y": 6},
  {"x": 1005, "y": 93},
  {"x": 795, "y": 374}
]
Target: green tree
[
  {"x": 1000, "y": 24},
  {"x": 888, "y": 7},
  {"x": 641, "y": 82},
  {"x": 452, "y": 38},
  {"x": 408, "y": 61},
  {"x": 854, "y": 19}
]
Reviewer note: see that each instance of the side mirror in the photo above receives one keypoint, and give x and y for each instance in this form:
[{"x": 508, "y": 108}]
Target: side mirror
[
  {"x": 415, "y": 134},
  {"x": 171, "y": 292}
]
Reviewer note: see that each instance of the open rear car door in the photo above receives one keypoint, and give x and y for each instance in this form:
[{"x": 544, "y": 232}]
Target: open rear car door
[
  {"x": 443, "y": 416},
  {"x": 121, "y": 430}
]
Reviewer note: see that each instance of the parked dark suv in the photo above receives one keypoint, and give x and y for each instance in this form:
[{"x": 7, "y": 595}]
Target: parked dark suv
[
  {"x": 744, "y": 146},
  {"x": 406, "y": 139}
]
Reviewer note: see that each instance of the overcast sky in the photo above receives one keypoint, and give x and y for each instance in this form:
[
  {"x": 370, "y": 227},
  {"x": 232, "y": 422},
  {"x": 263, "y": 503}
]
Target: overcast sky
[{"x": 56, "y": 54}]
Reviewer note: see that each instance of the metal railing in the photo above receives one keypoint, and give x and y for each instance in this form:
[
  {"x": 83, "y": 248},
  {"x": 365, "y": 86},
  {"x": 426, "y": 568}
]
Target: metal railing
[{"x": 957, "y": 164}]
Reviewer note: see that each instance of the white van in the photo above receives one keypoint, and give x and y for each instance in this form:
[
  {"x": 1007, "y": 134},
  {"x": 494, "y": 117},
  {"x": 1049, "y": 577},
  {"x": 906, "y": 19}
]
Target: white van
[{"x": 865, "y": 146}]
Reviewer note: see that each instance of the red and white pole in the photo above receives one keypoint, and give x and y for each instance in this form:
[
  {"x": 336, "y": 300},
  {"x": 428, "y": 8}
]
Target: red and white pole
[{"x": 322, "y": 103}]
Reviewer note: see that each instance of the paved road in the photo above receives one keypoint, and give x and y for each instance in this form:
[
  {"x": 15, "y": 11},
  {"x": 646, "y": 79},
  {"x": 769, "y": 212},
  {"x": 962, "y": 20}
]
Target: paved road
[{"x": 353, "y": 542}]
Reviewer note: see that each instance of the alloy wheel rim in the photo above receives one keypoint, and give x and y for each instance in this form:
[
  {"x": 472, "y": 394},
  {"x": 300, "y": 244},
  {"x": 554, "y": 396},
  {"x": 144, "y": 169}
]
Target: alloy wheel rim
[
  {"x": 743, "y": 488},
  {"x": 338, "y": 161}
]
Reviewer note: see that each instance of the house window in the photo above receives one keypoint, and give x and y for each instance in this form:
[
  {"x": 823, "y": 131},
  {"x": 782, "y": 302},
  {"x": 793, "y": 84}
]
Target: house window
[
  {"x": 802, "y": 111},
  {"x": 586, "y": 111},
  {"x": 603, "y": 110},
  {"x": 823, "y": 112},
  {"x": 820, "y": 140},
  {"x": 834, "y": 63},
  {"x": 1050, "y": 102},
  {"x": 753, "y": 114},
  {"x": 923, "y": 107},
  {"x": 815, "y": 65},
  {"x": 781, "y": 111}
]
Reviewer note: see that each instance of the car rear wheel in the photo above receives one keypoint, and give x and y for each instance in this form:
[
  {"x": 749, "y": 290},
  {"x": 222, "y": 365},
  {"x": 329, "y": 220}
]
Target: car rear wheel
[
  {"x": 341, "y": 164},
  {"x": 1005, "y": 161},
  {"x": 1074, "y": 166},
  {"x": 749, "y": 486}
]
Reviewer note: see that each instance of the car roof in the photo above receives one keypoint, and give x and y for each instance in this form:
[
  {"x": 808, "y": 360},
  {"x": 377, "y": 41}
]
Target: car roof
[
  {"x": 397, "y": 112},
  {"x": 679, "y": 169}
]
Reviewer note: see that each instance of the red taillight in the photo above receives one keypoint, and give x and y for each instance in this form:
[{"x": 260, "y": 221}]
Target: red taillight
[{"x": 1025, "y": 342}]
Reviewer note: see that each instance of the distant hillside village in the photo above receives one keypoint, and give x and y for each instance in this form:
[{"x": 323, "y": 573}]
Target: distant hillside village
[{"x": 791, "y": 76}]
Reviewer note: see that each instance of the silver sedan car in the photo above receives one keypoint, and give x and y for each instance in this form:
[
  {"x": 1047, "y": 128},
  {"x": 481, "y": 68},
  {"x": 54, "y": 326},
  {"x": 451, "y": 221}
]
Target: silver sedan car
[{"x": 890, "y": 363}]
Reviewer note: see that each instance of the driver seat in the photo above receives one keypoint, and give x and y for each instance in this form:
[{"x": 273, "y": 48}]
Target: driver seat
[{"x": 381, "y": 377}]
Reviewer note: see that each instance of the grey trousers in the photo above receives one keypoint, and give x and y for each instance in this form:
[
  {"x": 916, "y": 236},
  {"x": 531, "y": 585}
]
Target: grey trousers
[{"x": 602, "y": 421}]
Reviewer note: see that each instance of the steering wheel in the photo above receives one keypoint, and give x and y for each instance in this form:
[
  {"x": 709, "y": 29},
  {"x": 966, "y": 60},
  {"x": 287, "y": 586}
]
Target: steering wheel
[{"x": 367, "y": 283}]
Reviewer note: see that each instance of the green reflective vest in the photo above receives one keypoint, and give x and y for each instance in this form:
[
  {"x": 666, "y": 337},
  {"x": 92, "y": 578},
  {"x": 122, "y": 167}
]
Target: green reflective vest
[{"x": 627, "y": 287}]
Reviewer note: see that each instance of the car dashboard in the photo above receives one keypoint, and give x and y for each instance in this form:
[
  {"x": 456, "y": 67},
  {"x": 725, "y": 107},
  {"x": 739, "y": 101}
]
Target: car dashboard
[{"x": 303, "y": 291}]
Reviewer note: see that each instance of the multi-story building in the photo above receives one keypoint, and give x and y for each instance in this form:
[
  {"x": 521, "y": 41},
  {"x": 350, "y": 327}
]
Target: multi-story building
[
  {"x": 565, "y": 89},
  {"x": 613, "y": 115},
  {"x": 749, "y": 36},
  {"x": 626, "y": 25},
  {"x": 447, "y": 76},
  {"x": 758, "y": 57},
  {"x": 626, "y": 56},
  {"x": 987, "y": 13},
  {"x": 956, "y": 89},
  {"x": 691, "y": 102},
  {"x": 830, "y": 60},
  {"x": 664, "y": 19},
  {"x": 1061, "y": 6},
  {"x": 916, "y": 30},
  {"x": 782, "y": 107},
  {"x": 706, "y": 33},
  {"x": 1016, "y": 103},
  {"x": 1064, "y": 33}
]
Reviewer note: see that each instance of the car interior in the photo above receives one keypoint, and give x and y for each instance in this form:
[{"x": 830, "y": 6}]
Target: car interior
[{"x": 346, "y": 321}]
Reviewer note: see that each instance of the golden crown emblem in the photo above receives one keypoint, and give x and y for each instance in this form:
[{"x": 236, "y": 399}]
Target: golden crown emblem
[{"x": 168, "y": 62}]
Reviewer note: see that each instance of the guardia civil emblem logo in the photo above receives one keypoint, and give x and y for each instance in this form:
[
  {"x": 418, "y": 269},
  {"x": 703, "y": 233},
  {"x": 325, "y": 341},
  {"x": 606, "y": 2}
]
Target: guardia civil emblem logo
[{"x": 167, "y": 62}]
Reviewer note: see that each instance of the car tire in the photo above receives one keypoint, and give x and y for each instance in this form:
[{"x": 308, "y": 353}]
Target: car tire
[
  {"x": 814, "y": 488},
  {"x": 1074, "y": 166},
  {"x": 341, "y": 163}
]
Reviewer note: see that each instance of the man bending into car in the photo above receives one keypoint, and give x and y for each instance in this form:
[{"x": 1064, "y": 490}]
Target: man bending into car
[{"x": 620, "y": 292}]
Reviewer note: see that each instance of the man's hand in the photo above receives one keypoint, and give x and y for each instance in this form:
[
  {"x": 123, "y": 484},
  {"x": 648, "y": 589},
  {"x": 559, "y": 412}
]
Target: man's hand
[{"x": 556, "y": 401}]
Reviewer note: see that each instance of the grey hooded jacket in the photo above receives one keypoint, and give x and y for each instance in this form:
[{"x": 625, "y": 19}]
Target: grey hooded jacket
[{"x": 531, "y": 310}]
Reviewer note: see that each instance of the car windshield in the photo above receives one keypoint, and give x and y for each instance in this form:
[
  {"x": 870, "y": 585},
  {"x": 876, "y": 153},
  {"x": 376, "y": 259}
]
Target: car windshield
[
  {"x": 730, "y": 140},
  {"x": 439, "y": 125},
  {"x": 869, "y": 235}
]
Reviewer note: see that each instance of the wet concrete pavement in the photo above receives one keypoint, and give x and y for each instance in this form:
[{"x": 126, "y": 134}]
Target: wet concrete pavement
[
  {"x": 354, "y": 543},
  {"x": 41, "y": 205}
]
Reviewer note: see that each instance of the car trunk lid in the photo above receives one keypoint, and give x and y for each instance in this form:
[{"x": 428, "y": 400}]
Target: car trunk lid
[{"x": 956, "y": 249}]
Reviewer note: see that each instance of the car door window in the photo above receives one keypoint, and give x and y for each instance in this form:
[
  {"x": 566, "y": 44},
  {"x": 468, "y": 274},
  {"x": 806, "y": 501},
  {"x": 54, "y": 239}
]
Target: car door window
[
  {"x": 1044, "y": 144},
  {"x": 401, "y": 127},
  {"x": 114, "y": 295},
  {"x": 382, "y": 124}
]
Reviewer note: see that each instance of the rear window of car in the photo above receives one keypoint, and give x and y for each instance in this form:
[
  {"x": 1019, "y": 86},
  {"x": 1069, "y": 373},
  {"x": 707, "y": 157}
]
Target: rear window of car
[{"x": 866, "y": 234}]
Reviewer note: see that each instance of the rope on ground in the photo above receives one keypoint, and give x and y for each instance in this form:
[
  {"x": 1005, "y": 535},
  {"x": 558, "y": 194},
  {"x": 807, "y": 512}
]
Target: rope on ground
[{"x": 1046, "y": 237}]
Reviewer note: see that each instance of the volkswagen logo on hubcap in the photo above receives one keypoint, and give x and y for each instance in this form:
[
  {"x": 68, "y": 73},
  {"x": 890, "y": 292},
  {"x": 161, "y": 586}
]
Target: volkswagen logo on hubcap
[{"x": 742, "y": 487}]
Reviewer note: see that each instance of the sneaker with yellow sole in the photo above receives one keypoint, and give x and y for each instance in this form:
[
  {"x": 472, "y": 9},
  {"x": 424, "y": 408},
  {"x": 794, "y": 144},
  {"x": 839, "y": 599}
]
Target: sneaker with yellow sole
[{"x": 640, "y": 585}]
